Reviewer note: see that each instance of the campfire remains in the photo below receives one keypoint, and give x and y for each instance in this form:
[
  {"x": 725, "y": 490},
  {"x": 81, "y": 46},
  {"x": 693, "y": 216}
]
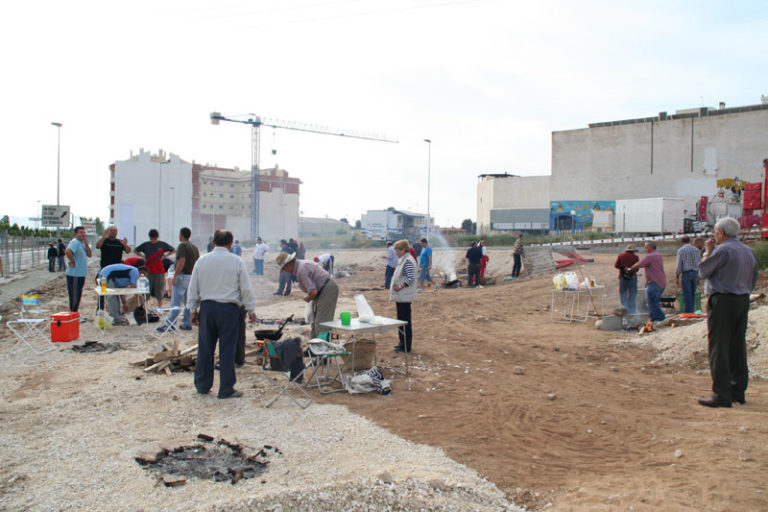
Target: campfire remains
[
  {"x": 95, "y": 346},
  {"x": 221, "y": 461}
]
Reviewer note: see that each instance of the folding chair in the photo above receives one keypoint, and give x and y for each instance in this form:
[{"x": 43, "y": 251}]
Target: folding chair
[
  {"x": 165, "y": 321},
  {"x": 31, "y": 308},
  {"x": 271, "y": 363},
  {"x": 323, "y": 354},
  {"x": 29, "y": 330}
]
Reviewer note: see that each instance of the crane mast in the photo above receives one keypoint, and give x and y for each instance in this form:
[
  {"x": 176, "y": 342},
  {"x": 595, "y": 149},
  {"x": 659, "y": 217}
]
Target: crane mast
[{"x": 256, "y": 122}]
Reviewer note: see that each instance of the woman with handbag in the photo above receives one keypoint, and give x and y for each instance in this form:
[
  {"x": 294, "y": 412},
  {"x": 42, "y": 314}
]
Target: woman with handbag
[{"x": 403, "y": 291}]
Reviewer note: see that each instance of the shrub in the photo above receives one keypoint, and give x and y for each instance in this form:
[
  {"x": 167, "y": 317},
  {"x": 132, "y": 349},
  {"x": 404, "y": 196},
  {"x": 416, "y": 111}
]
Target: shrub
[{"x": 761, "y": 251}]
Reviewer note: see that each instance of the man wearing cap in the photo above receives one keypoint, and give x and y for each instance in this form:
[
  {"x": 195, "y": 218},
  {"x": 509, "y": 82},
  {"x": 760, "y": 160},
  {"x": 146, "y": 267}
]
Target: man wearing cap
[
  {"x": 219, "y": 286},
  {"x": 321, "y": 290},
  {"x": 627, "y": 278},
  {"x": 325, "y": 261},
  {"x": 258, "y": 256}
]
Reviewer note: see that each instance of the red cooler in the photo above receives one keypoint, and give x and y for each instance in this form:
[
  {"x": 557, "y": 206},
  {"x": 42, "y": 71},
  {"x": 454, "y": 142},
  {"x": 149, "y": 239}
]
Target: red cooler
[{"x": 65, "y": 326}]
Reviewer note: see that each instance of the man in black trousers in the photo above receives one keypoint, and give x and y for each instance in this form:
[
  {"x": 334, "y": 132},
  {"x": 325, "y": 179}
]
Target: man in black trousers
[{"x": 730, "y": 271}]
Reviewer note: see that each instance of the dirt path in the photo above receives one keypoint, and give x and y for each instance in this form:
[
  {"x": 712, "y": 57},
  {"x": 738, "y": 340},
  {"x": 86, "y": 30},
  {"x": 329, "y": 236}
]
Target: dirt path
[{"x": 589, "y": 424}]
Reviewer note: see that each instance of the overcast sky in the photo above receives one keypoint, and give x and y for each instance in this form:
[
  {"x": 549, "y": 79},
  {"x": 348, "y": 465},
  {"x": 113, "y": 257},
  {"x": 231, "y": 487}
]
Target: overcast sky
[{"x": 486, "y": 80}]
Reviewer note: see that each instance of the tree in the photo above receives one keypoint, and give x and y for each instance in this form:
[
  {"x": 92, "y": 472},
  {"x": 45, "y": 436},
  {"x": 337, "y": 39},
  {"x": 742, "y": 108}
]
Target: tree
[
  {"x": 344, "y": 220},
  {"x": 358, "y": 224},
  {"x": 468, "y": 226}
]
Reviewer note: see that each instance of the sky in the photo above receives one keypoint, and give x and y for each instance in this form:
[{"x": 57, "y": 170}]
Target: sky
[{"x": 487, "y": 81}]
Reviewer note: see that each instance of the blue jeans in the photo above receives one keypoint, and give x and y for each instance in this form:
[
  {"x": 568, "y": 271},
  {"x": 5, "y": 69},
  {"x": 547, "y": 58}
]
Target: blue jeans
[
  {"x": 62, "y": 266},
  {"x": 628, "y": 293},
  {"x": 653, "y": 294},
  {"x": 258, "y": 267},
  {"x": 218, "y": 322},
  {"x": 178, "y": 298},
  {"x": 688, "y": 282},
  {"x": 388, "y": 273},
  {"x": 113, "y": 302}
]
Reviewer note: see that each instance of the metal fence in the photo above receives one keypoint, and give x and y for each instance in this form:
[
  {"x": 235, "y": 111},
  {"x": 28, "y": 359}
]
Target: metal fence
[{"x": 18, "y": 253}]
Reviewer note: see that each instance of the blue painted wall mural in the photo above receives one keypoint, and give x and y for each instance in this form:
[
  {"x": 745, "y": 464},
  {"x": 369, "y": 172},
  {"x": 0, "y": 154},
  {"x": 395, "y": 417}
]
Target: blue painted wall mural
[{"x": 560, "y": 218}]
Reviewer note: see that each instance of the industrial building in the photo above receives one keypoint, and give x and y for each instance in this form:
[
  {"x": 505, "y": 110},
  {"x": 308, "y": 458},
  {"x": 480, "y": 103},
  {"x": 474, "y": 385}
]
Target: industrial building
[
  {"x": 689, "y": 154},
  {"x": 163, "y": 191},
  {"x": 393, "y": 224}
]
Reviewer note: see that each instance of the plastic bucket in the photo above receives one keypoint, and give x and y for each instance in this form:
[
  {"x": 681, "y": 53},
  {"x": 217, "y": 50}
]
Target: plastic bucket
[{"x": 346, "y": 318}]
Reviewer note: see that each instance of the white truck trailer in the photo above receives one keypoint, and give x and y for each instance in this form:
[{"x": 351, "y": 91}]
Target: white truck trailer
[{"x": 650, "y": 215}]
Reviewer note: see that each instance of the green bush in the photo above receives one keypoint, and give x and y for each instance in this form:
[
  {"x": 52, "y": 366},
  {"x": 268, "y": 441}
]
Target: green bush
[{"x": 761, "y": 251}]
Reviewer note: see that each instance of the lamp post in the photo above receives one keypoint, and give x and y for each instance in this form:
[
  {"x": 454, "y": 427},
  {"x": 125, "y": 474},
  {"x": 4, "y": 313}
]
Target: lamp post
[
  {"x": 58, "y": 162},
  {"x": 573, "y": 222},
  {"x": 429, "y": 177},
  {"x": 173, "y": 208}
]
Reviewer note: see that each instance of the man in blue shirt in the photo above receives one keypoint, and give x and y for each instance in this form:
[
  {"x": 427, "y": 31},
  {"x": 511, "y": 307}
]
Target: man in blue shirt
[
  {"x": 425, "y": 263},
  {"x": 78, "y": 251},
  {"x": 118, "y": 275},
  {"x": 237, "y": 249}
]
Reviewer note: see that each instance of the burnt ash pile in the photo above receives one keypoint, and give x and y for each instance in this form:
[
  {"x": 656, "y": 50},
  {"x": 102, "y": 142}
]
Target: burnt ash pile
[
  {"x": 95, "y": 346},
  {"x": 220, "y": 461}
]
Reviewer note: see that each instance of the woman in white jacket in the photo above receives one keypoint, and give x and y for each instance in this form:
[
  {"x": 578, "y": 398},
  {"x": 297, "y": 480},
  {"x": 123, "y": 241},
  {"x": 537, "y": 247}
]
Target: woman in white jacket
[{"x": 402, "y": 291}]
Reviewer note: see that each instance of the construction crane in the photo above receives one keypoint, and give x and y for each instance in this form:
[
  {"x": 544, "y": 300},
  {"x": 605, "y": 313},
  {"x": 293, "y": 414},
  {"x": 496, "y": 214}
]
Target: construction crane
[{"x": 256, "y": 122}]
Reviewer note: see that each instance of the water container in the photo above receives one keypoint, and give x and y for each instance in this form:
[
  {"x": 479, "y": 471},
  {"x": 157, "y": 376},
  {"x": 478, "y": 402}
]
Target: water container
[
  {"x": 572, "y": 281},
  {"x": 143, "y": 284},
  {"x": 558, "y": 281}
]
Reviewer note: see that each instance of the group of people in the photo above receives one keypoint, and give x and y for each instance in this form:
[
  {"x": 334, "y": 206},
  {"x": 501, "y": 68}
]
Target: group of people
[
  {"x": 57, "y": 253},
  {"x": 729, "y": 270}
]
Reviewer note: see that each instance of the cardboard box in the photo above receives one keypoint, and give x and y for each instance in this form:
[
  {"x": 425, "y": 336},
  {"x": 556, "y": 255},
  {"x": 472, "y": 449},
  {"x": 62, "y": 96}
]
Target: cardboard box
[{"x": 65, "y": 326}]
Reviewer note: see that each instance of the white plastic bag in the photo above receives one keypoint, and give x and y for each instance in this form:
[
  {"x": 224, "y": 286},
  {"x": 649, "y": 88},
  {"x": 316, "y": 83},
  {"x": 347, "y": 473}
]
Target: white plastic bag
[
  {"x": 571, "y": 281},
  {"x": 364, "y": 311},
  {"x": 309, "y": 313},
  {"x": 103, "y": 320}
]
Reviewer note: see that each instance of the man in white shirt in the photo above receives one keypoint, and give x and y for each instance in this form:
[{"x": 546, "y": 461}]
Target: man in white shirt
[
  {"x": 219, "y": 286},
  {"x": 326, "y": 261},
  {"x": 258, "y": 256}
]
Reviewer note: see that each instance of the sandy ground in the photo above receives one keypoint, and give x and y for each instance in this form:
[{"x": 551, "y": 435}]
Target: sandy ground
[{"x": 541, "y": 414}]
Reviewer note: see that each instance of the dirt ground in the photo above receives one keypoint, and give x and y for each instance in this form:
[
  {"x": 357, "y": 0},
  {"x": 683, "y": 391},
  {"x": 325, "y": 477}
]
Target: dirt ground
[
  {"x": 558, "y": 416},
  {"x": 590, "y": 424}
]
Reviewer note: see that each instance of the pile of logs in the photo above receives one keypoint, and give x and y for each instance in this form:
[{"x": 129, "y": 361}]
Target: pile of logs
[{"x": 170, "y": 359}]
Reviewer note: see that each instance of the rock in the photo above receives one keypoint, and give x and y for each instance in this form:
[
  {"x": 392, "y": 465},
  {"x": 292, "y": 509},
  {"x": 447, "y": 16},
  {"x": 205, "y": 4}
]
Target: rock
[
  {"x": 551, "y": 396},
  {"x": 174, "y": 480},
  {"x": 744, "y": 456},
  {"x": 518, "y": 370},
  {"x": 438, "y": 484},
  {"x": 743, "y": 429},
  {"x": 386, "y": 477},
  {"x": 598, "y": 324},
  {"x": 678, "y": 453}
]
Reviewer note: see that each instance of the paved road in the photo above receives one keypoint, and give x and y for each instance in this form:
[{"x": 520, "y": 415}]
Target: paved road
[{"x": 23, "y": 282}]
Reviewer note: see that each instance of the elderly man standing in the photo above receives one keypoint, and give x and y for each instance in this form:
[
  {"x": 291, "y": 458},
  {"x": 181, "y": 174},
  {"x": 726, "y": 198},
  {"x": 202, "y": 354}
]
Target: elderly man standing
[
  {"x": 730, "y": 271},
  {"x": 219, "y": 286},
  {"x": 321, "y": 290},
  {"x": 655, "y": 280},
  {"x": 687, "y": 272}
]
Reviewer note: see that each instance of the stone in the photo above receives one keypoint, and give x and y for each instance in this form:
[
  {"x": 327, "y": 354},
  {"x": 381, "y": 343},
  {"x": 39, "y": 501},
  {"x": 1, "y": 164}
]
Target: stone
[
  {"x": 551, "y": 396},
  {"x": 174, "y": 480},
  {"x": 744, "y": 456},
  {"x": 518, "y": 370},
  {"x": 438, "y": 484},
  {"x": 386, "y": 477},
  {"x": 678, "y": 453}
]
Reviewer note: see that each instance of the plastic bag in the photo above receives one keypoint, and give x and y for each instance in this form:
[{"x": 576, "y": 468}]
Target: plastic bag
[
  {"x": 364, "y": 311},
  {"x": 103, "y": 320},
  {"x": 571, "y": 281},
  {"x": 309, "y": 313}
]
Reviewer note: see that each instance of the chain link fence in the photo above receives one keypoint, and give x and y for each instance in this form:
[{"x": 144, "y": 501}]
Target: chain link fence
[{"x": 19, "y": 253}]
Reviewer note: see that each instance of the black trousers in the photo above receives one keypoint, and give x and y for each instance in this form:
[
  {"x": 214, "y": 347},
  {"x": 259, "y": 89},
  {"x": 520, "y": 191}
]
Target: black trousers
[
  {"x": 727, "y": 322},
  {"x": 75, "y": 291},
  {"x": 218, "y": 322},
  {"x": 240, "y": 352},
  {"x": 517, "y": 266},
  {"x": 405, "y": 333},
  {"x": 473, "y": 274}
]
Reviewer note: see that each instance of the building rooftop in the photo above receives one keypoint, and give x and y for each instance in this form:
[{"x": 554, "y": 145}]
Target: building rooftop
[{"x": 685, "y": 114}]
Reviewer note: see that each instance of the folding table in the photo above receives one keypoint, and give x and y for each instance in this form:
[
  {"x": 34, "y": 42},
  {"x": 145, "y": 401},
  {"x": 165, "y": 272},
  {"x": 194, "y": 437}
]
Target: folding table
[
  {"x": 362, "y": 330},
  {"x": 111, "y": 292}
]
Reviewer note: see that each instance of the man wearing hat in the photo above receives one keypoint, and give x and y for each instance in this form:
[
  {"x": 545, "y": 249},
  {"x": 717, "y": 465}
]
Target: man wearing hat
[
  {"x": 321, "y": 290},
  {"x": 627, "y": 278}
]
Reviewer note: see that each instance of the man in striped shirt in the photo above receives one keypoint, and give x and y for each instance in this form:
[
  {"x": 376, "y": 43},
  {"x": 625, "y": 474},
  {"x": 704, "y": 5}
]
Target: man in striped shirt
[
  {"x": 687, "y": 272},
  {"x": 517, "y": 253}
]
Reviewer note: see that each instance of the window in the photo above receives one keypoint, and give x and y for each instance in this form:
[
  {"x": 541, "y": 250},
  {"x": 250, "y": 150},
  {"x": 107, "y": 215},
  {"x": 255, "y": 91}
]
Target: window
[
  {"x": 221, "y": 207},
  {"x": 231, "y": 185},
  {"x": 231, "y": 196},
  {"x": 221, "y": 195}
]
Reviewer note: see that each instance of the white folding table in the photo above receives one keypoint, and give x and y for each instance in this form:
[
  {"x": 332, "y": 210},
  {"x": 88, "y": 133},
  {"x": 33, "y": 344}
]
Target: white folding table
[
  {"x": 362, "y": 330},
  {"x": 111, "y": 292},
  {"x": 572, "y": 301}
]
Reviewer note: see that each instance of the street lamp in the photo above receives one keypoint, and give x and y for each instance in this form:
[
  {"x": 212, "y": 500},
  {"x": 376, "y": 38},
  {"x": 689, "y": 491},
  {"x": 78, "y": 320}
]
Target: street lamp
[
  {"x": 58, "y": 162},
  {"x": 429, "y": 177},
  {"x": 173, "y": 208},
  {"x": 573, "y": 222}
]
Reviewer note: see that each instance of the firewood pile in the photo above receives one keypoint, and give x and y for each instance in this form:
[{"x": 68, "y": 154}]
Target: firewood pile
[{"x": 170, "y": 359}]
